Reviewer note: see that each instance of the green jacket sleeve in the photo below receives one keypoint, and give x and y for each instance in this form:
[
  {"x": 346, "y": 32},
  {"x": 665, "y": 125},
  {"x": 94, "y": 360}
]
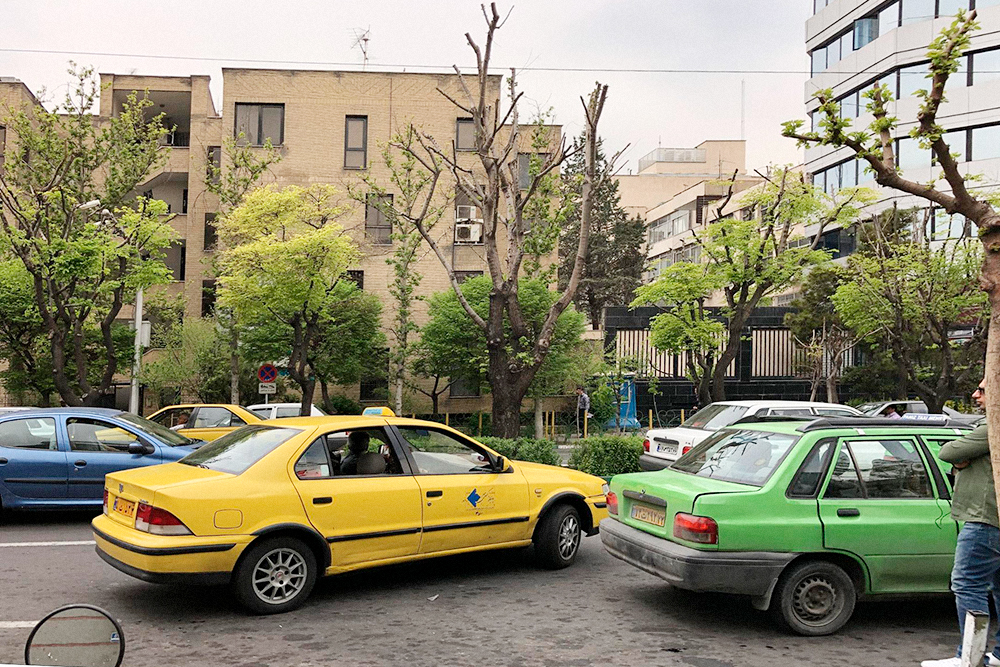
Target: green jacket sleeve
[{"x": 966, "y": 448}]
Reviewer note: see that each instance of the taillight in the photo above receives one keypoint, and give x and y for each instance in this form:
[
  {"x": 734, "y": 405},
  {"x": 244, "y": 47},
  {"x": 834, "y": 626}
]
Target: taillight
[
  {"x": 685, "y": 449},
  {"x": 699, "y": 529},
  {"x": 612, "y": 501},
  {"x": 105, "y": 501},
  {"x": 158, "y": 521},
  {"x": 645, "y": 444}
]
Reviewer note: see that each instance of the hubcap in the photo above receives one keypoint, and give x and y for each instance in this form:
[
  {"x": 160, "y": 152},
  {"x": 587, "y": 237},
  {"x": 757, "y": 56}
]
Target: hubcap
[
  {"x": 816, "y": 600},
  {"x": 569, "y": 537},
  {"x": 279, "y": 576}
]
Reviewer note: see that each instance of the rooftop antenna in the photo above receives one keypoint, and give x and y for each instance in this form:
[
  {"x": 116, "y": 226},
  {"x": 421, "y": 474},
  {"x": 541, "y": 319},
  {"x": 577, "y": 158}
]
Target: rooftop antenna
[{"x": 361, "y": 37}]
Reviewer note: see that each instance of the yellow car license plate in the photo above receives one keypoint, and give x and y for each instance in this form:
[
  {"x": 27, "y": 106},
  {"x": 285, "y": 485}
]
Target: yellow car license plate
[
  {"x": 125, "y": 507},
  {"x": 648, "y": 514}
]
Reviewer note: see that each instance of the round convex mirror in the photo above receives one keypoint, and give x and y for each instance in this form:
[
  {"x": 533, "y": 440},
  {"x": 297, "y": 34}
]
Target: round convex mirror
[{"x": 77, "y": 635}]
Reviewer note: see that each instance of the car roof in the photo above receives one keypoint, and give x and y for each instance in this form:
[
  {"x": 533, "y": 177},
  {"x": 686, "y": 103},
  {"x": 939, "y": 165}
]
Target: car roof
[
  {"x": 273, "y": 405},
  {"x": 781, "y": 404},
  {"x": 104, "y": 412},
  {"x": 356, "y": 421},
  {"x": 852, "y": 426}
]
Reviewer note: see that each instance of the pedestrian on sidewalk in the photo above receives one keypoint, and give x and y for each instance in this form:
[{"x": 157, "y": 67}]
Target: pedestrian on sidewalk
[
  {"x": 976, "y": 574},
  {"x": 582, "y": 408}
]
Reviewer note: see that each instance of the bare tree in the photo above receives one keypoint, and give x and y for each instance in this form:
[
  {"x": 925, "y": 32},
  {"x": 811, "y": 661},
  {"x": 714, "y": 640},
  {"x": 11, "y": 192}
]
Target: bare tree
[
  {"x": 513, "y": 235},
  {"x": 874, "y": 147}
]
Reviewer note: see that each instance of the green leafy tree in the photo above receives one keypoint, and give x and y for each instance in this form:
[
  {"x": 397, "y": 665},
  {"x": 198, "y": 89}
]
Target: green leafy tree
[
  {"x": 451, "y": 348},
  {"x": 284, "y": 262},
  {"x": 743, "y": 263},
  {"x": 67, "y": 213},
  {"x": 520, "y": 224},
  {"x": 874, "y": 147},
  {"x": 914, "y": 296},
  {"x": 241, "y": 168},
  {"x": 615, "y": 256}
]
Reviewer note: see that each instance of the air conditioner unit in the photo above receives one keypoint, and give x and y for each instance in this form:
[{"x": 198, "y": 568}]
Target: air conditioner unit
[
  {"x": 463, "y": 213},
  {"x": 468, "y": 233}
]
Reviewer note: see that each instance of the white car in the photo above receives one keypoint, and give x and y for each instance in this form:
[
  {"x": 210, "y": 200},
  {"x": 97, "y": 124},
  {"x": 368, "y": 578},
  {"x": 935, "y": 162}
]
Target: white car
[
  {"x": 663, "y": 446},
  {"x": 278, "y": 410}
]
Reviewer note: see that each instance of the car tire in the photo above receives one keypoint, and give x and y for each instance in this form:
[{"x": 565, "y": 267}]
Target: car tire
[
  {"x": 275, "y": 575},
  {"x": 814, "y": 598},
  {"x": 557, "y": 540}
]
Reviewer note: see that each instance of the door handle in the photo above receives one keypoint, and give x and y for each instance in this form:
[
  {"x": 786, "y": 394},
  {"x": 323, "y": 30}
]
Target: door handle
[
  {"x": 848, "y": 511},
  {"x": 3, "y": 461},
  {"x": 435, "y": 494},
  {"x": 80, "y": 464},
  {"x": 323, "y": 500}
]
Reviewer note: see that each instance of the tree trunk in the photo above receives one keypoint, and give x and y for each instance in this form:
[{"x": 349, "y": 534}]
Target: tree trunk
[
  {"x": 831, "y": 388},
  {"x": 398, "y": 403},
  {"x": 325, "y": 393},
  {"x": 991, "y": 282},
  {"x": 308, "y": 389},
  {"x": 506, "y": 412},
  {"x": 904, "y": 382},
  {"x": 435, "y": 396},
  {"x": 539, "y": 419},
  {"x": 234, "y": 366}
]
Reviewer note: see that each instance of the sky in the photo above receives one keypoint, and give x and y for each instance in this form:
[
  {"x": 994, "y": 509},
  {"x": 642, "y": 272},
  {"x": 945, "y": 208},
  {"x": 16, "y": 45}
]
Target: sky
[{"x": 644, "y": 109}]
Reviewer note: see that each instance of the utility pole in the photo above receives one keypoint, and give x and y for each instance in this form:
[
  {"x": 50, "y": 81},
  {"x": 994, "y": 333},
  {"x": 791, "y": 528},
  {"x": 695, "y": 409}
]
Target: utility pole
[{"x": 133, "y": 401}]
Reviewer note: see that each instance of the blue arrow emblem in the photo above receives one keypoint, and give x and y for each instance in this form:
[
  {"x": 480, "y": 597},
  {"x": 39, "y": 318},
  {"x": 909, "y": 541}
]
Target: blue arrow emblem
[{"x": 473, "y": 498}]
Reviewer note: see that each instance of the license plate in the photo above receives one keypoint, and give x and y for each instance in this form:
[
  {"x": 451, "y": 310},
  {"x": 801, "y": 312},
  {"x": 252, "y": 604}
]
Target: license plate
[
  {"x": 667, "y": 449},
  {"x": 124, "y": 507},
  {"x": 648, "y": 514}
]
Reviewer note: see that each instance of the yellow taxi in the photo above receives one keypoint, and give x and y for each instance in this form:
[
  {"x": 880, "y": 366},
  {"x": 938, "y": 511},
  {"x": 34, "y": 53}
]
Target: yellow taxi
[
  {"x": 204, "y": 421},
  {"x": 274, "y": 505}
]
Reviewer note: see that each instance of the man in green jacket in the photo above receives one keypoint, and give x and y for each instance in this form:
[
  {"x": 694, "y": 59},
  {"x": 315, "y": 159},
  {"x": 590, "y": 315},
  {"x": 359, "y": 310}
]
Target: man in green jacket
[{"x": 976, "y": 573}]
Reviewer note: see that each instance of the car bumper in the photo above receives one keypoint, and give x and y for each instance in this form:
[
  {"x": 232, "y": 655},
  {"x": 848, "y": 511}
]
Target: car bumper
[
  {"x": 649, "y": 462},
  {"x": 165, "y": 559},
  {"x": 740, "y": 572}
]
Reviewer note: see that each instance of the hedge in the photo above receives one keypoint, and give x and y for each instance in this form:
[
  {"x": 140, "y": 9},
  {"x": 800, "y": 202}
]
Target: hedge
[
  {"x": 607, "y": 455},
  {"x": 524, "y": 449}
]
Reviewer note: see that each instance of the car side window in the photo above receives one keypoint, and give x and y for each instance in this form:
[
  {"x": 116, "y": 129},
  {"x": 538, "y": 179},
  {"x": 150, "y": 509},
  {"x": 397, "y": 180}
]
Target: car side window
[
  {"x": 891, "y": 469},
  {"x": 359, "y": 452},
  {"x": 314, "y": 462},
  {"x": 916, "y": 408},
  {"x": 844, "y": 480},
  {"x": 263, "y": 413},
  {"x": 215, "y": 418},
  {"x": 92, "y": 435},
  {"x": 792, "y": 412},
  {"x": 288, "y": 412},
  {"x": 175, "y": 418},
  {"x": 810, "y": 475},
  {"x": 834, "y": 412},
  {"x": 438, "y": 453},
  {"x": 29, "y": 434}
]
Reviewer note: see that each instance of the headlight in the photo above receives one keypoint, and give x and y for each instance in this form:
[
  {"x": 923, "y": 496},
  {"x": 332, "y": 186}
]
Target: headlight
[{"x": 605, "y": 488}]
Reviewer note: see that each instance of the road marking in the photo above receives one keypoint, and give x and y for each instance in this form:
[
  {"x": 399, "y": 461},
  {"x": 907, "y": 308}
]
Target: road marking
[
  {"x": 17, "y": 624},
  {"x": 69, "y": 543}
]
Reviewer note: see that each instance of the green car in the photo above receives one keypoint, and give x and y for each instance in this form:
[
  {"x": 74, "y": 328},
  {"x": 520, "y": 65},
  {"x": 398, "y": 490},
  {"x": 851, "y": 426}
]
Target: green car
[{"x": 804, "y": 516}]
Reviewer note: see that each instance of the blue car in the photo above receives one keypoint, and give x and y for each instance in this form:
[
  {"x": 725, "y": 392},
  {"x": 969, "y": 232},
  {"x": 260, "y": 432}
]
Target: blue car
[{"x": 57, "y": 458}]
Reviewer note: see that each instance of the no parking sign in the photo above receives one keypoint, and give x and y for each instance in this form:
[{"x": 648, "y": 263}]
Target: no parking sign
[{"x": 267, "y": 373}]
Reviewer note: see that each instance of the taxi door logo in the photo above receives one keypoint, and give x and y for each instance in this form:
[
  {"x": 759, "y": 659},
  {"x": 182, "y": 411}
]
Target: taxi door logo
[{"x": 481, "y": 499}]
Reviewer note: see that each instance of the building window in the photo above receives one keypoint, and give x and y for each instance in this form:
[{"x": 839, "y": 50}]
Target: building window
[
  {"x": 848, "y": 173},
  {"x": 184, "y": 201},
  {"x": 888, "y": 18},
  {"x": 865, "y": 31},
  {"x": 850, "y": 106},
  {"x": 465, "y": 135},
  {"x": 818, "y": 5},
  {"x": 356, "y": 277},
  {"x": 909, "y": 154},
  {"x": 985, "y": 142},
  {"x": 261, "y": 122},
  {"x": 175, "y": 258},
  {"x": 913, "y": 78},
  {"x": 524, "y": 170},
  {"x": 207, "y": 298},
  {"x": 464, "y": 387},
  {"x": 211, "y": 232},
  {"x": 378, "y": 227},
  {"x": 356, "y": 142},
  {"x": 951, "y": 7},
  {"x": 462, "y": 276},
  {"x": 214, "y": 167},
  {"x": 915, "y": 11},
  {"x": 948, "y": 226},
  {"x": 984, "y": 66}
]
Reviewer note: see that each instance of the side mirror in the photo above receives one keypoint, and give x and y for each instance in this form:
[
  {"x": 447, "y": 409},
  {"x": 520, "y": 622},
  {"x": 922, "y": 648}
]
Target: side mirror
[
  {"x": 78, "y": 634},
  {"x": 140, "y": 448},
  {"x": 500, "y": 463}
]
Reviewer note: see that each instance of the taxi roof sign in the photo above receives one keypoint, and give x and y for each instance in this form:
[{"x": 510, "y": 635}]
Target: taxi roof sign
[{"x": 378, "y": 412}]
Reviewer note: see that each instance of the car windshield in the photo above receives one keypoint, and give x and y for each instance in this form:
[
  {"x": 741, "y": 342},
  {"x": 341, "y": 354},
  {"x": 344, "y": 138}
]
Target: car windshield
[
  {"x": 745, "y": 457},
  {"x": 237, "y": 451},
  {"x": 715, "y": 416},
  {"x": 870, "y": 408},
  {"x": 172, "y": 438}
]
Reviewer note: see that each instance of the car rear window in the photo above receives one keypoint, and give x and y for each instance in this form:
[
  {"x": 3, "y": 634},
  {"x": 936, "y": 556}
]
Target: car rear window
[
  {"x": 235, "y": 452},
  {"x": 745, "y": 457},
  {"x": 715, "y": 416}
]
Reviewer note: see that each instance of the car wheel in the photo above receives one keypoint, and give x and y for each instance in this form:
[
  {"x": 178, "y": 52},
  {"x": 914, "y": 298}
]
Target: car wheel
[
  {"x": 275, "y": 576},
  {"x": 815, "y": 598},
  {"x": 558, "y": 538}
]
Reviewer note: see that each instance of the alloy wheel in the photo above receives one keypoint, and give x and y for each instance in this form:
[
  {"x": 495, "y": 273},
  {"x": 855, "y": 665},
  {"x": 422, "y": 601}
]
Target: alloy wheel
[
  {"x": 569, "y": 537},
  {"x": 279, "y": 576}
]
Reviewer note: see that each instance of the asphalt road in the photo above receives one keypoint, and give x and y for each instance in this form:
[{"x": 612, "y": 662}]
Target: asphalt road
[{"x": 494, "y": 608}]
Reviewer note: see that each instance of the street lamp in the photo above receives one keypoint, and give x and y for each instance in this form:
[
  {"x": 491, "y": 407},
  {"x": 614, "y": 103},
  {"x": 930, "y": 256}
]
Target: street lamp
[{"x": 133, "y": 399}]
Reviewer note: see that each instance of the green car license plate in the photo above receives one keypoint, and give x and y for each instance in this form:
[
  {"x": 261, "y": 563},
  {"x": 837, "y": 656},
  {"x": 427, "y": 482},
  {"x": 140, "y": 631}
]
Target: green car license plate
[{"x": 648, "y": 514}]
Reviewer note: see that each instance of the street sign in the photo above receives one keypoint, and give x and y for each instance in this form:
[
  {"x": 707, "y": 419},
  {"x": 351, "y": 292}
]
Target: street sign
[
  {"x": 267, "y": 388},
  {"x": 267, "y": 373}
]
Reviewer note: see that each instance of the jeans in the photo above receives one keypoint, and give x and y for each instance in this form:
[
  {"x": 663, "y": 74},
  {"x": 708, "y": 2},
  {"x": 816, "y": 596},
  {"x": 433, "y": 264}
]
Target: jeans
[
  {"x": 581, "y": 416},
  {"x": 976, "y": 574}
]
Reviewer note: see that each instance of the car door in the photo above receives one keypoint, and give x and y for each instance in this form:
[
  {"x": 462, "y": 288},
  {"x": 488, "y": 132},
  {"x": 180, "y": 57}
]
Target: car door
[
  {"x": 98, "y": 447},
  {"x": 879, "y": 504},
  {"x": 211, "y": 421},
  {"x": 465, "y": 502},
  {"x": 364, "y": 517},
  {"x": 32, "y": 465}
]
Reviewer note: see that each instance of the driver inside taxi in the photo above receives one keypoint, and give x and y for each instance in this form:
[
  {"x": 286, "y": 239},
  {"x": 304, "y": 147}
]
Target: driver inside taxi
[{"x": 357, "y": 444}]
